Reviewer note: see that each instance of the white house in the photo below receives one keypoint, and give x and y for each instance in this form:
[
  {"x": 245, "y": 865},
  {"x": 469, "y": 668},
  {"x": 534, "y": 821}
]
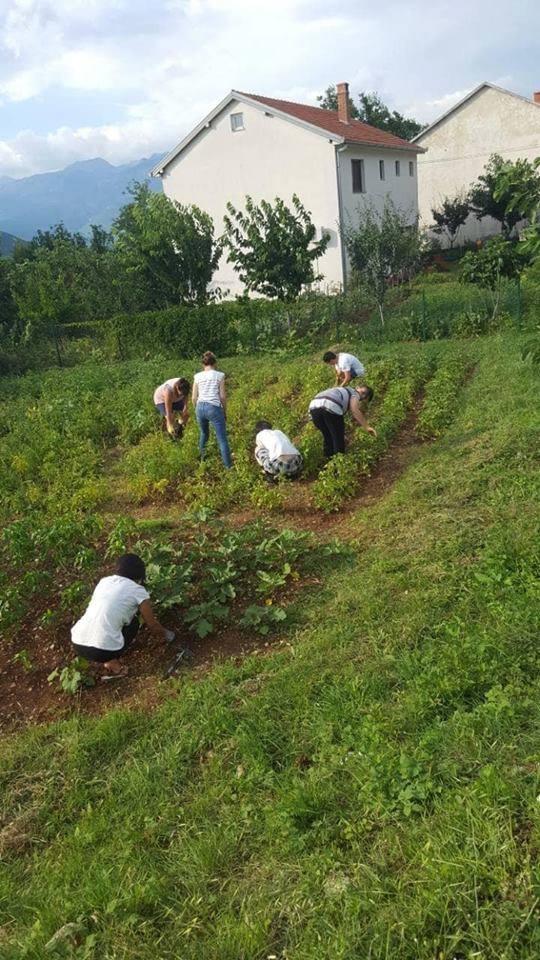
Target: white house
[
  {"x": 459, "y": 144},
  {"x": 274, "y": 148}
]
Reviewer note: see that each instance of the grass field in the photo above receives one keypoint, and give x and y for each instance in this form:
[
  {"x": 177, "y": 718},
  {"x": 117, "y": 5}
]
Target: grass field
[{"x": 365, "y": 788}]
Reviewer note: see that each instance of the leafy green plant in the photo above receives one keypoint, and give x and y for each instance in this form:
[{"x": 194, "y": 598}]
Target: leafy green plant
[
  {"x": 73, "y": 677},
  {"x": 261, "y": 619},
  {"x": 23, "y": 657}
]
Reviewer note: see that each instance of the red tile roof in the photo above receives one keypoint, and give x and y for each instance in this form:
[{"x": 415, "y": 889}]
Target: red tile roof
[{"x": 328, "y": 120}]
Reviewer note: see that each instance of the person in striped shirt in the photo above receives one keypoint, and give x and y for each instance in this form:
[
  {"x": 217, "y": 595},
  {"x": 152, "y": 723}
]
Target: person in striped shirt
[
  {"x": 210, "y": 402},
  {"x": 328, "y": 409}
]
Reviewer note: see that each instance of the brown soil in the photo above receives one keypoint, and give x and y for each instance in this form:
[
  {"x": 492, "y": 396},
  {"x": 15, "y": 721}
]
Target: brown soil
[{"x": 26, "y": 697}]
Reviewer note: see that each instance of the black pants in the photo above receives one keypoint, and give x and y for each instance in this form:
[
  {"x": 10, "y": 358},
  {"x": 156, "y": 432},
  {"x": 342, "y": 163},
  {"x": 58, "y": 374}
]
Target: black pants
[
  {"x": 97, "y": 655},
  {"x": 332, "y": 427}
]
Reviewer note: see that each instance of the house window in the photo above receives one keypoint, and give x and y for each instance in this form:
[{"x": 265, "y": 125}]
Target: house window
[
  {"x": 398, "y": 168},
  {"x": 382, "y": 175},
  {"x": 237, "y": 121},
  {"x": 411, "y": 168},
  {"x": 358, "y": 183}
]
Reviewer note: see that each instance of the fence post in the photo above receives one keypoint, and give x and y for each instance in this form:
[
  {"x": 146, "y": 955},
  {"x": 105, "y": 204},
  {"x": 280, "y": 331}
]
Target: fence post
[
  {"x": 424, "y": 315},
  {"x": 519, "y": 303},
  {"x": 337, "y": 313}
]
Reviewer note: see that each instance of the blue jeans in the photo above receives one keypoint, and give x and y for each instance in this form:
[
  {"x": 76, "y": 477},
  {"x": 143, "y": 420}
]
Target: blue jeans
[{"x": 210, "y": 413}]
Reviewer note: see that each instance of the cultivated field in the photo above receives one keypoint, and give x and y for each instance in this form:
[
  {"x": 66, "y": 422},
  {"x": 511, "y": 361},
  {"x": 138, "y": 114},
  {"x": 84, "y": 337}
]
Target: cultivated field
[{"x": 348, "y": 767}]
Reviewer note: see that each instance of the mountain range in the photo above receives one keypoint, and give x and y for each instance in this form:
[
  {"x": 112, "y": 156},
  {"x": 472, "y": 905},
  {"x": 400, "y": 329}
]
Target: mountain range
[{"x": 86, "y": 192}]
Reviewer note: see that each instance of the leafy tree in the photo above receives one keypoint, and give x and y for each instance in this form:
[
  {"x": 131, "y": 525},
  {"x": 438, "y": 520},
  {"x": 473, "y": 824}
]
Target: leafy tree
[
  {"x": 382, "y": 246},
  {"x": 49, "y": 292},
  {"x": 47, "y": 240},
  {"x": 488, "y": 198},
  {"x": 167, "y": 249},
  {"x": 273, "y": 247},
  {"x": 497, "y": 260},
  {"x": 518, "y": 185},
  {"x": 374, "y": 111},
  {"x": 450, "y": 216},
  {"x": 9, "y": 314}
]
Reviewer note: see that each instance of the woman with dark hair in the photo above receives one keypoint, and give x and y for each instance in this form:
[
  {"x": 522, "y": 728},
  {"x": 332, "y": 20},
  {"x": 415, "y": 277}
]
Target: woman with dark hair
[
  {"x": 110, "y": 623},
  {"x": 173, "y": 397},
  {"x": 210, "y": 402}
]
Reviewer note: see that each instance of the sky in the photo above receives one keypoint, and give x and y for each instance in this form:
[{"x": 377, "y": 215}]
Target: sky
[{"x": 123, "y": 79}]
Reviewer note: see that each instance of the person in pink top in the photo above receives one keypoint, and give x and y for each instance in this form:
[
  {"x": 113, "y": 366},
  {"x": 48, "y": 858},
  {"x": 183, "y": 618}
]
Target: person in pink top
[{"x": 170, "y": 398}]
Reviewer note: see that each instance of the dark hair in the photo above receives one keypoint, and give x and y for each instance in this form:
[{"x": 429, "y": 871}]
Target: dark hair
[
  {"x": 184, "y": 386},
  {"x": 369, "y": 397},
  {"x": 208, "y": 359},
  {"x": 328, "y": 356},
  {"x": 132, "y": 567},
  {"x": 262, "y": 425}
]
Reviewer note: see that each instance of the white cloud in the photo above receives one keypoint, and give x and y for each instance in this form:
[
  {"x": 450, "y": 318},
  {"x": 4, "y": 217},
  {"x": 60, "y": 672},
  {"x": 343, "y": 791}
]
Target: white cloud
[{"x": 159, "y": 68}]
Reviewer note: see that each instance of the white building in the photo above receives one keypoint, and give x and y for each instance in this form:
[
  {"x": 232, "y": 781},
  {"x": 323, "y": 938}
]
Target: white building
[
  {"x": 459, "y": 144},
  {"x": 273, "y": 148}
]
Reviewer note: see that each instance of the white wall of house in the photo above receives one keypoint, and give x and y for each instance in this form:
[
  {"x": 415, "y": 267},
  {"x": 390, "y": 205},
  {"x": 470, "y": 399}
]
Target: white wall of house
[
  {"x": 269, "y": 158},
  {"x": 399, "y": 183},
  {"x": 458, "y": 148}
]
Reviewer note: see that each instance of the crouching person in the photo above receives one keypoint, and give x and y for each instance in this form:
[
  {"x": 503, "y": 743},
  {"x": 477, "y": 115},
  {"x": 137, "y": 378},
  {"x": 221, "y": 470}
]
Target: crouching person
[
  {"x": 275, "y": 453},
  {"x": 111, "y": 621}
]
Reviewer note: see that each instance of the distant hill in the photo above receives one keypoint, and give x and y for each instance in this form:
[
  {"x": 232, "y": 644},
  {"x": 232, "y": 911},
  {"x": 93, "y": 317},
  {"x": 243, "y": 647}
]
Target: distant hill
[
  {"x": 89, "y": 191},
  {"x": 7, "y": 242}
]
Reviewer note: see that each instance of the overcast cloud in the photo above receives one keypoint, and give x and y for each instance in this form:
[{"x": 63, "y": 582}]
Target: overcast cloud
[{"x": 122, "y": 79}]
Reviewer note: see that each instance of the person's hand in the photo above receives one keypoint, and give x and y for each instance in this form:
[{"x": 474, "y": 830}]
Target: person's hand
[
  {"x": 372, "y": 431},
  {"x": 170, "y": 636},
  {"x": 170, "y": 429}
]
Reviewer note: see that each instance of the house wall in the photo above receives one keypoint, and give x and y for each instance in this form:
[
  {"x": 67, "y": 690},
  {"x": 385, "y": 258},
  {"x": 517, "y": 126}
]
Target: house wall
[
  {"x": 402, "y": 190},
  {"x": 271, "y": 157},
  {"x": 461, "y": 145}
]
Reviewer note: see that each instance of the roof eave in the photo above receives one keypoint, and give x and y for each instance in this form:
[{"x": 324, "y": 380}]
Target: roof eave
[
  {"x": 469, "y": 96},
  {"x": 408, "y": 145}
]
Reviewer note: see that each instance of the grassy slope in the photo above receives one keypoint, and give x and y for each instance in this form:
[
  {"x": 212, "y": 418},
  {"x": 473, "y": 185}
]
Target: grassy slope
[{"x": 368, "y": 792}]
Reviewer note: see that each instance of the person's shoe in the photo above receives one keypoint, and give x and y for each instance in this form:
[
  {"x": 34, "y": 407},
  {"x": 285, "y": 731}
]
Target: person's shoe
[{"x": 270, "y": 478}]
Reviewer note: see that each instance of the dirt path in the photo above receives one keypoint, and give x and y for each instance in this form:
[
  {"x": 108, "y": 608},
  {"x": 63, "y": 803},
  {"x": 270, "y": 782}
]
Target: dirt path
[{"x": 27, "y": 697}]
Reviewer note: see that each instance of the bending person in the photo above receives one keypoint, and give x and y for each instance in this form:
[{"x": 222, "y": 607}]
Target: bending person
[
  {"x": 275, "y": 453},
  {"x": 210, "y": 402},
  {"x": 173, "y": 397},
  {"x": 111, "y": 621},
  {"x": 346, "y": 365},
  {"x": 328, "y": 411}
]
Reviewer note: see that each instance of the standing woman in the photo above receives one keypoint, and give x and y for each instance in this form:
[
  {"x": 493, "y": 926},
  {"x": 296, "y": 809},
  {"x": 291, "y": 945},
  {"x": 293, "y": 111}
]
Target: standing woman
[{"x": 210, "y": 402}]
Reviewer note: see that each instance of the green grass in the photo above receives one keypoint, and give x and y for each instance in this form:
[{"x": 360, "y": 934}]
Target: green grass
[{"x": 369, "y": 790}]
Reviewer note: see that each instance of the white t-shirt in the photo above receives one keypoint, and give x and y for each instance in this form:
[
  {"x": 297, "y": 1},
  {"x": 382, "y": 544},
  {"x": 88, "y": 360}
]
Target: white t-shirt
[
  {"x": 335, "y": 400},
  {"x": 208, "y": 382},
  {"x": 277, "y": 443},
  {"x": 114, "y": 603},
  {"x": 347, "y": 361}
]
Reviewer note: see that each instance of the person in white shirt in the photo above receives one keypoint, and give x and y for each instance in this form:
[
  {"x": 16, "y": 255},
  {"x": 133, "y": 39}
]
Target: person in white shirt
[
  {"x": 347, "y": 367},
  {"x": 328, "y": 409},
  {"x": 275, "y": 453},
  {"x": 210, "y": 402},
  {"x": 173, "y": 397},
  {"x": 110, "y": 623}
]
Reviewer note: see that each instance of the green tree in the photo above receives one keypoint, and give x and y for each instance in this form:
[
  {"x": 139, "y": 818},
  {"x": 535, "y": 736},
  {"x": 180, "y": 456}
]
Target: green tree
[
  {"x": 450, "y": 216},
  {"x": 518, "y": 186},
  {"x": 273, "y": 247},
  {"x": 9, "y": 314},
  {"x": 49, "y": 291},
  {"x": 488, "y": 198},
  {"x": 168, "y": 250},
  {"x": 374, "y": 111},
  {"x": 381, "y": 247},
  {"x": 499, "y": 259}
]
